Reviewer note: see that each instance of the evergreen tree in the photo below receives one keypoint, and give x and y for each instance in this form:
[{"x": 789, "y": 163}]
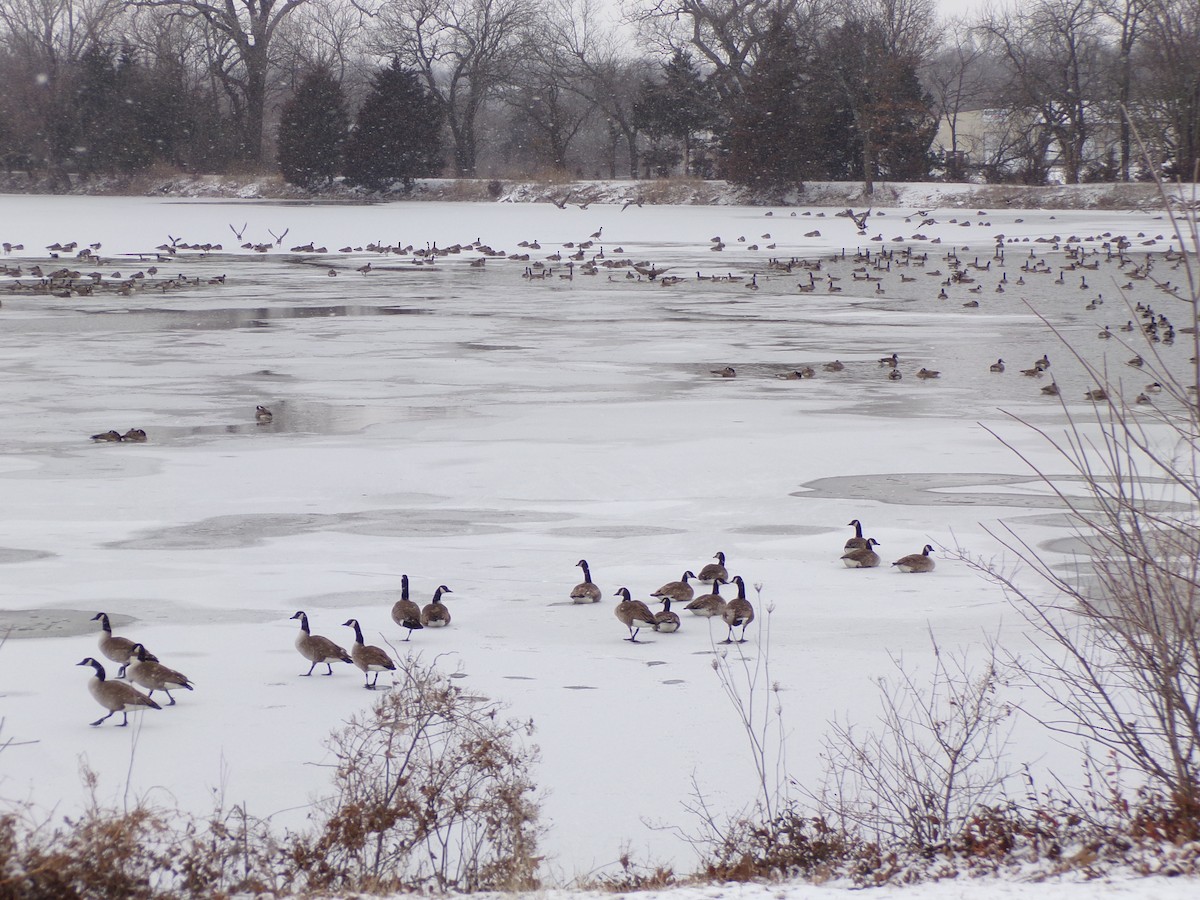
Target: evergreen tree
[
  {"x": 312, "y": 130},
  {"x": 398, "y": 133},
  {"x": 763, "y": 142},
  {"x": 677, "y": 107}
]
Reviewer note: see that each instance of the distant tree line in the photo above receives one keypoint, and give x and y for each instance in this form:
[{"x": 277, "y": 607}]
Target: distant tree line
[{"x": 762, "y": 92}]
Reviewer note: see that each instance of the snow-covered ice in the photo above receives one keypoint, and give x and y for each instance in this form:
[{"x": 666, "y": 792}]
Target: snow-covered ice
[{"x": 472, "y": 427}]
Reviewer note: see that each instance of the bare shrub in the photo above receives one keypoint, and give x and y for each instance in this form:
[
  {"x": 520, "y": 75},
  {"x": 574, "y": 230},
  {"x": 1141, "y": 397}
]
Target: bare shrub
[
  {"x": 1118, "y": 635},
  {"x": 935, "y": 760},
  {"x": 431, "y": 790}
]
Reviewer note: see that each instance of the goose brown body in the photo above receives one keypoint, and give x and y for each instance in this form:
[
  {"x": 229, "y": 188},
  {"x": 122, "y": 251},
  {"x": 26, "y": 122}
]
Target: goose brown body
[
  {"x": 115, "y": 696},
  {"x": 405, "y": 612},
  {"x": 738, "y": 612},
  {"x": 708, "y": 605},
  {"x": 714, "y": 571},
  {"x": 858, "y": 540},
  {"x": 916, "y": 562},
  {"x": 666, "y": 621},
  {"x": 117, "y": 649},
  {"x": 586, "y": 591},
  {"x": 154, "y": 676},
  {"x": 677, "y": 590},
  {"x": 318, "y": 649},
  {"x": 862, "y": 557},
  {"x": 435, "y": 614},
  {"x": 630, "y": 611},
  {"x": 368, "y": 658}
]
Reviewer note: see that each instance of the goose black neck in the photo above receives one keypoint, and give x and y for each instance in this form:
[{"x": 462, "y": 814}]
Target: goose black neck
[
  {"x": 357, "y": 632},
  {"x": 587, "y": 575},
  {"x": 403, "y": 587}
]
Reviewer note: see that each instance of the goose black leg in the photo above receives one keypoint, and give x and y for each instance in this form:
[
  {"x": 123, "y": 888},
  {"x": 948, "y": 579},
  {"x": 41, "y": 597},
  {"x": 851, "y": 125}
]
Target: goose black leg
[{"x": 310, "y": 668}]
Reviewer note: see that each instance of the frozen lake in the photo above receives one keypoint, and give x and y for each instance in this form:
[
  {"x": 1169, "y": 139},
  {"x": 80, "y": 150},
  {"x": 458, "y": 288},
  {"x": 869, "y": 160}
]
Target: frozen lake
[{"x": 471, "y": 426}]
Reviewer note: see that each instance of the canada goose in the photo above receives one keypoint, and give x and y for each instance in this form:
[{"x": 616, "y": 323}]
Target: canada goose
[
  {"x": 630, "y": 611},
  {"x": 1096, "y": 394},
  {"x": 727, "y": 372},
  {"x": 891, "y": 361},
  {"x": 836, "y": 366},
  {"x": 134, "y": 436},
  {"x": 738, "y": 611},
  {"x": 586, "y": 591},
  {"x": 1154, "y": 388},
  {"x": 405, "y": 612},
  {"x": 262, "y": 415},
  {"x": 858, "y": 540},
  {"x": 115, "y": 696},
  {"x": 997, "y": 366},
  {"x": 1143, "y": 399},
  {"x": 1043, "y": 364},
  {"x": 677, "y": 590},
  {"x": 367, "y": 657},
  {"x": 435, "y": 614},
  {"x": 317, "y": 649},
  {"x": 708, "y": 605},
  {"x": 1137, "y": 362},
  {"x": 118, "y": 649},
  {"x": 666, "y": 621},
  {"x": 916, "y": 562},
  {"x": 1106, "y": 333},
  {"x": 1035, "y": 372},
  {"x": 1050, "y": 389},
  {"x": 107, "y": 437},
  {"x": 894, "y": 375},
  {"x": 154, "y": 676},
  {"x": 714, "y": 571},
  {"x": 928, "y": 373},
  {"x": 862, "y": 557}
]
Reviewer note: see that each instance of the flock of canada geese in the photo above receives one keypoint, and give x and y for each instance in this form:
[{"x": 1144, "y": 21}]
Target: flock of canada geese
[{"x": 143, "y": 669}]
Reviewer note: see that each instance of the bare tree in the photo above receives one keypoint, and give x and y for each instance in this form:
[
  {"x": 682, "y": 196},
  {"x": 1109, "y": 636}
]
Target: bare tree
[
  {"x": 1169, "y": 94},
  {"x": 465, "y": 51},
  {"x": 1119, "y": 648},
  {"x": 1052, "y": 53},
  {"x": 1128, "y": 20},
  {"x": 593, "y": 58},
  {"x": 955, "y": 78},
  {"x": 247, "y": 29}
]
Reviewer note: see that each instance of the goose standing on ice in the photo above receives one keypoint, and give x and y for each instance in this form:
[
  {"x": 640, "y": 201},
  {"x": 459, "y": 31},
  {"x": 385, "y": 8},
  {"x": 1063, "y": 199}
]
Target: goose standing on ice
[
  {"x": 586, "y": 591},
  {"x": 154, "y": 676},
  {"x": 630, "y": 611},
  {"x": 317, "y": 649},
  {"x": 367, "y": 657},
  {"x": 115, "y": 696},
  {"x": 738, "y": 611},
  {"x": 118, "y": 649},
  {"x": 405, "y": 612}
]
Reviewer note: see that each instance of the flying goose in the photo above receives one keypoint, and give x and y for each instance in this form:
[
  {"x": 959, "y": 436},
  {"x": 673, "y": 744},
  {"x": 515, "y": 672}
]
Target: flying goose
[
  {"x": 708, "y": 605},
  {"x": 738, "y": 611},
  {"x": 677, "y": 590},
  {"x": 405, "y": 612},
  {"x": 115, "y": 696},
  {"x": 586, "y": 591},
  {"x": 916, "y": 562},
  {"x": 862, "y": 557},
  {"x": 858, "y": 540},
  {"x": 367, "y": 657},
  {"x": 666, "y": 621},
  {"x": 262, "y": 415},
  {"x": 118, "y": 649},
  {"x": 154, "y": 676},
  {"x": 435, "y": 614},
  {"x": 317, "y": 649},
  {"x": 714, "y": 571},
  {"x": 630, "y": 611}
]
